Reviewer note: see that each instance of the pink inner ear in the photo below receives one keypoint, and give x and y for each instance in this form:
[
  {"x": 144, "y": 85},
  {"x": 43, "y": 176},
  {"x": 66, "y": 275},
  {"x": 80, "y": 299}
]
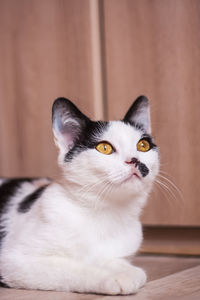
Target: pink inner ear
[
  {"x": 70, "y": 146},
  {"x": 64, "y": 141},
  {"x": 65, "y": 136},
  {"x": 67, "y": 140}
]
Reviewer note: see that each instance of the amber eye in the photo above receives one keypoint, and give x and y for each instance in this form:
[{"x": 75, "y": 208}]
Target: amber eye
[
  {"x": 143, "y": 146},
  {"x": 104, "y": 148}
]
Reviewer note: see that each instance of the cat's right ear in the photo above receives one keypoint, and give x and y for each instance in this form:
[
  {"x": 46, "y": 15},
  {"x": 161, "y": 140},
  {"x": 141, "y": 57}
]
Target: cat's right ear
[
  {"x": 68, "y": 123},
  {"x": 139, "y": 114}
]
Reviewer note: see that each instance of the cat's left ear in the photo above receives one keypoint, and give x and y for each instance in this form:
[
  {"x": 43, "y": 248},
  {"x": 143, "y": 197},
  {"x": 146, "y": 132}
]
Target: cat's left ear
[
  {"x": 139, "y": 114},
  {"x": 68, "y": 123}
]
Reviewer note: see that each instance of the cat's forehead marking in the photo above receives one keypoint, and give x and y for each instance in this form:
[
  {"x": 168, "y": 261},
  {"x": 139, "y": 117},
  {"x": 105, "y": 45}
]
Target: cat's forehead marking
[{"x": 120, "y": 131}]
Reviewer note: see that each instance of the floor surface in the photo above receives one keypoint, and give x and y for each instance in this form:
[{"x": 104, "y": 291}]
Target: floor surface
[{"x": 169, "y": 278}]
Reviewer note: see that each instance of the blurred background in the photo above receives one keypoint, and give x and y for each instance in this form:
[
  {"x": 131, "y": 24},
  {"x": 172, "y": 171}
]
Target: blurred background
[{"x": 102, "y": 54}]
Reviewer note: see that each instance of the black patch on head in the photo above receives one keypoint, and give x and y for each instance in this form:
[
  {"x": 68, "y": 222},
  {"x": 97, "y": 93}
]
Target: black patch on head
[
  {"x": 137, "y": 126},
  {"x": 88, "y": 140},
  {"x": 29, "y": 200},
  {"x": 73, "y": 129},
  {"x": 7, "y": 190}
]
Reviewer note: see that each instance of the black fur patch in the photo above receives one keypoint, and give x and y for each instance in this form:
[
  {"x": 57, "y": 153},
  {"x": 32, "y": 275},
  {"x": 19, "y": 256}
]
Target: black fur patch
[
  {"x": 143, "y": 169},
  {"x": 29, "y": 200},
  {"x": 88, "y": 140},
  {"x": 137, "y": 126},
  {"x": 7, "y": 190},
  {"x": 2, "y": 284}
]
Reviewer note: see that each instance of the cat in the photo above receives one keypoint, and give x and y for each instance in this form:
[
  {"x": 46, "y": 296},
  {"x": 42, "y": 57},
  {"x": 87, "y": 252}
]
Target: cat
[{"x": 75, "y": 234}]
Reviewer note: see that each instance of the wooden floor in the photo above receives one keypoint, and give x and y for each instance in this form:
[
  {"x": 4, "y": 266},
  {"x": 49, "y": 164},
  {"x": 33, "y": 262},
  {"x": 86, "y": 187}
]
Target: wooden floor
[{"x": 168, "y": 278}]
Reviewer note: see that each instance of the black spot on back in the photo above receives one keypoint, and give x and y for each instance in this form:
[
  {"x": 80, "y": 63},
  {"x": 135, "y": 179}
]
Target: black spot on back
[
  {"x": 2, "y": 284},
  {"x": 29, "y": 200},
  {"x": 7, "y": 190}
]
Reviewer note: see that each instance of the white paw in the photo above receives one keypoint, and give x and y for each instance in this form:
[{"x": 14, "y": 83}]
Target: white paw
[
  {"x": 110, "y": 286},
  {"x": 124, "y": 283},
  {"x": 130, "y": 282}
]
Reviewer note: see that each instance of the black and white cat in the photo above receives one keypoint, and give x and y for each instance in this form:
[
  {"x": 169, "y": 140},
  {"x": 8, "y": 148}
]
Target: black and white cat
[{"x": 75, "y": 234}]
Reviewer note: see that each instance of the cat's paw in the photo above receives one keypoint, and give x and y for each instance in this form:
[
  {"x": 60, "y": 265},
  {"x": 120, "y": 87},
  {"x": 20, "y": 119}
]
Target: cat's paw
[{"x": 124, "y": 283}]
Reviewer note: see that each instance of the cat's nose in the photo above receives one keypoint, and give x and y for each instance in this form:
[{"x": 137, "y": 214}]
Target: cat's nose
[{"x": 133, "y": 161}]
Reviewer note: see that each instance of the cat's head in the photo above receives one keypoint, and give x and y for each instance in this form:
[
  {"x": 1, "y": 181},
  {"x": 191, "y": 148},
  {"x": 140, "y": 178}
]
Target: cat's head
[{"x": 117, "y": 158}]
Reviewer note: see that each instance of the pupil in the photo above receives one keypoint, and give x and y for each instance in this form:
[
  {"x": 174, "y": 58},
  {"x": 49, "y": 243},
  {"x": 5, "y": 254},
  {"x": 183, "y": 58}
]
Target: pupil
[{"x": 105, "y": 147}]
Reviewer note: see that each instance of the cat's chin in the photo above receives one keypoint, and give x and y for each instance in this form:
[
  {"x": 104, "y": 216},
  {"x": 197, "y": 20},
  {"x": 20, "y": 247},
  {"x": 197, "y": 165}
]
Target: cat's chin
[
  {"x": 131, "y": 186},
  {"x": 132, "y": 178}
]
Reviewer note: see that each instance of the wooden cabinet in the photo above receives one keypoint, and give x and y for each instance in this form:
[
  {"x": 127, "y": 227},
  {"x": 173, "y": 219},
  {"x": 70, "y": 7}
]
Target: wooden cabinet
[
  {"x": 153, "y": 48},
  {"x": 103, "y": 54},
  {"x": 47, "y": 49}
]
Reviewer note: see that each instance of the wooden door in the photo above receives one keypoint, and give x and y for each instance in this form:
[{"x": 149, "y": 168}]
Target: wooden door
[
  {"x": 47, "y": 49},
  {"x": 153, "y": 48}
]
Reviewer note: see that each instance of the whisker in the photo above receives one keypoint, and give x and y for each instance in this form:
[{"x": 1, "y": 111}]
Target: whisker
[
  {"x": 108, "y": 190},
  {"x": 165, "y": 193},
  {"x": 102, "y": 193},
  {"x": 167, "y": 189},
  {"x": 171, "y": 186}
]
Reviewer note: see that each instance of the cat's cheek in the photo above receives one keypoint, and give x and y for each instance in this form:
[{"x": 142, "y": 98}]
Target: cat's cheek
[
  {"x": 151, "y": 160},
  {"x": 105, "y": 164},
  {"x": 154, "y": 169}
]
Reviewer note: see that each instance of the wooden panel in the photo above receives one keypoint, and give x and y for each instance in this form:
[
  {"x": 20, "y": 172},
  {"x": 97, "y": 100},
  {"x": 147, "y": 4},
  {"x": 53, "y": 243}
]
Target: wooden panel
[
  {"x": 182, "y": 285},
  {"x": 170, "y": 240},
  {"x": 159, "y": 266},
  {"x": 153, "y": 48},
  {"x": 46, "y": 52}
]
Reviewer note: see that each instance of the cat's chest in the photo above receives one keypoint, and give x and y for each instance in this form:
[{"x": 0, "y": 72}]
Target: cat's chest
[
  {"x": 120, "y": 242},
  {"x": 93, "y": 238},
  {"x": 69, "y": 229}
]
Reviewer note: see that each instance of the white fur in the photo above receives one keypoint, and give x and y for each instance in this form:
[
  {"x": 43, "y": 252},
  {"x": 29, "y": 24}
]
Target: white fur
[{"x": 77, "y": 235}]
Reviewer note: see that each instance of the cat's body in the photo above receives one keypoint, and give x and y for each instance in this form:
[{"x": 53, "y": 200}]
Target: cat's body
[{"x": 74, "y": 234}]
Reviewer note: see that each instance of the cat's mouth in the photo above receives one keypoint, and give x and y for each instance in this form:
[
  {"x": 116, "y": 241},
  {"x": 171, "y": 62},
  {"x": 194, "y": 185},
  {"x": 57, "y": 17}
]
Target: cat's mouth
[
  {"x": 136, "y": 175},
  {"x": 132, "y": 176}
]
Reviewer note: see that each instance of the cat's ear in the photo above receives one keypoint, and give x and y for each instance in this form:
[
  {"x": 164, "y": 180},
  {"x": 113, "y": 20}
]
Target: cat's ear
[
  {"x": 139, "y": 114},
  {"x": 68, "y": 123}
]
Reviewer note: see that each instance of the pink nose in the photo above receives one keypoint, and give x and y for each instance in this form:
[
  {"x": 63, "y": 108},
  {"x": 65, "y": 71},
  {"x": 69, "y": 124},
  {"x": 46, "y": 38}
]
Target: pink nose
[
  {"x": 133, "y": 160},
  {"x": 129, "y": 162}
]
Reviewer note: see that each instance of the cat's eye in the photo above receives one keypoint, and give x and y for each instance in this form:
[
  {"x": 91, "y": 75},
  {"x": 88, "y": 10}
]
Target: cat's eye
[
  {"x": 104, "y": 148},
  {"x": 143, "y": 146}
]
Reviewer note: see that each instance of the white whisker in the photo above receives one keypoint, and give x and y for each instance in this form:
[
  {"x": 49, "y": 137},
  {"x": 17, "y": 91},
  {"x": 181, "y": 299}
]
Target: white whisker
[{"x": 172, "y": 185}]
